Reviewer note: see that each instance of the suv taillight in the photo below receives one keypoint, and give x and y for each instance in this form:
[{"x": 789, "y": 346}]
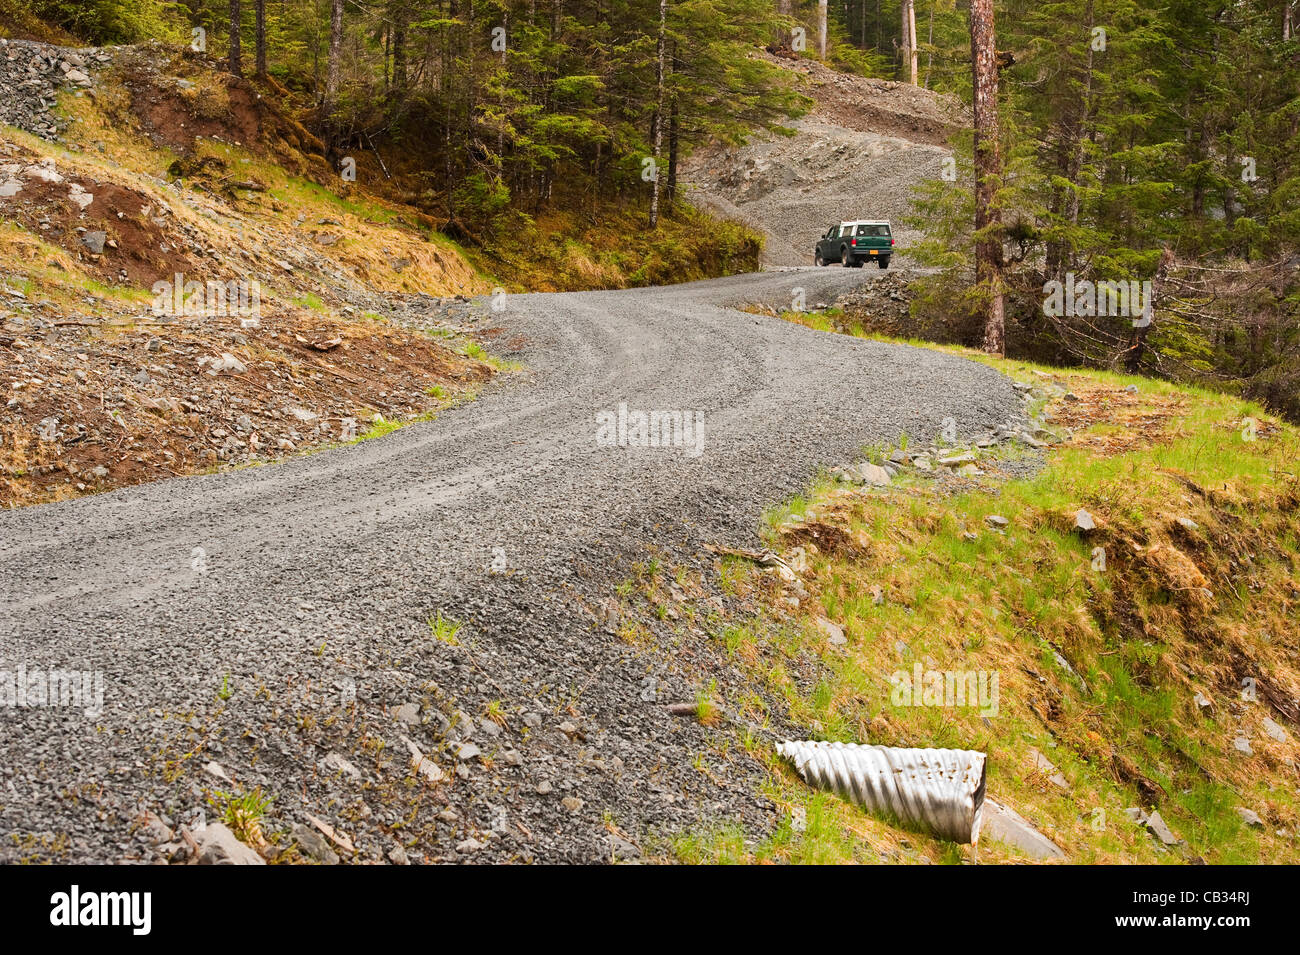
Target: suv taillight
[
  {"x": 891, "y": 242},
  {"x": 853, "y": 241}
]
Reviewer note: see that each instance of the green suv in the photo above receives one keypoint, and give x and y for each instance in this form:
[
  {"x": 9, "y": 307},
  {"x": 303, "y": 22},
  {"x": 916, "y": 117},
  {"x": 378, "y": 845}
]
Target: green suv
[{"x": 852, "y": 243}]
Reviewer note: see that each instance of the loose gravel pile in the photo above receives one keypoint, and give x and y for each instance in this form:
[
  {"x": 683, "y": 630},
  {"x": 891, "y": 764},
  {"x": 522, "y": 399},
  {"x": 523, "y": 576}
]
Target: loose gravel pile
[
  {"x": 270, "y": 629},
  {"x": 857, "y": 155},
  {"x": 31, "y": 75}
]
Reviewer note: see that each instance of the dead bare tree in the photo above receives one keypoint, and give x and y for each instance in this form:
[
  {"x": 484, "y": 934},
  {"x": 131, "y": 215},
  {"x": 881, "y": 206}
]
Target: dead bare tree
[{"x": 912, "y": 45}]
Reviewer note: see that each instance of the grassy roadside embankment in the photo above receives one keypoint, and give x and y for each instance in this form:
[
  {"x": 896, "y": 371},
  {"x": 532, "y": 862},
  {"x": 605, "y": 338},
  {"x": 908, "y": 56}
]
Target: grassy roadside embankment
[{"x": 1151, "y": 662}]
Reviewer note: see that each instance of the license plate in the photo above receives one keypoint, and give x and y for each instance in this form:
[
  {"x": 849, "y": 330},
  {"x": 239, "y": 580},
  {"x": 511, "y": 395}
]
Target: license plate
[{"x": 875, "y": 252}]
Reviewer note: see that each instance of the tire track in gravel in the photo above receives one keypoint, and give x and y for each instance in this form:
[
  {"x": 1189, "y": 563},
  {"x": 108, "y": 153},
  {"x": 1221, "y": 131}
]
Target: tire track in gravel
[{"x": 319, "y": 573}]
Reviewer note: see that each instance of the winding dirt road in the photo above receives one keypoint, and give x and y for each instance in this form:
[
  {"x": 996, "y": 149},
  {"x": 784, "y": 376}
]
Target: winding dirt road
[{"x": 273, "y": 621}]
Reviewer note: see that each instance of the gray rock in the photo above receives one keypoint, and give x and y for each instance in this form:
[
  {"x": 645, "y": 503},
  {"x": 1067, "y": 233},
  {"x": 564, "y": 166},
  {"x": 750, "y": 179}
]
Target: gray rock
[
  {"x": 621, "y": 850},
  {"x": 1006, "y": 825},
  {"x": 94, "y": 241},
  {"x": 834, "y": 632},
  {"x": 1160, "y": 830},
  {"x": 467, "y": 751},
  {"x": 957, "y": 460},
  {"x": 218, "y": 846},
  {"x": 1274, "y": 731},
  {"x": 1242, "y": 745},
  {"x": 873, "y": 474},
  {"x": 997, "y": 520},
  {"x": 465, "y": 725},
  {"x": 337, "y": 763},
  {"x": 154, "y": 829},
  {"x": 408, "y": 713},
  {"x": 313, "y": 845},
  {"x": 1083, "y": 520},
  {"x": 422, "y": 764},
  {"x": 1044, "y": 766},
  {"x": 1250, "y": 817},
  {"x": 227, "y": 362}
]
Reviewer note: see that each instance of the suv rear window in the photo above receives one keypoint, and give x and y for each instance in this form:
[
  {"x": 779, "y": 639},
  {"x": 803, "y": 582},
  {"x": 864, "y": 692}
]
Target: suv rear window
[{"x": 876, "y": 230}]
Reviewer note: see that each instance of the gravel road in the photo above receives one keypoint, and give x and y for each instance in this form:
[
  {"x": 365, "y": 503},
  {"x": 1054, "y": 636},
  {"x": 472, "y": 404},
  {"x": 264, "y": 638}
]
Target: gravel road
[
  {"x": 272, "y": 620},
  {"x": 862, "y": 150}
]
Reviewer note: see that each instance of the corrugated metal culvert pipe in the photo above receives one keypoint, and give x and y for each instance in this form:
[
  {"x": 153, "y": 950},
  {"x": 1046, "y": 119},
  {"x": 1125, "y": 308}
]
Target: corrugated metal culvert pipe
[{"x": 941, "y": 790}]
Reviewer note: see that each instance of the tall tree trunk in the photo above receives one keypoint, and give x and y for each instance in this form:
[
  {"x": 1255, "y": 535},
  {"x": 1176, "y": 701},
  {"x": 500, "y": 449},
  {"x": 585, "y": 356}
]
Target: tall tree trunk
[
  {"x": 234, "y": 60},
  {"x": 988, "y": 174},
  {"x": 904, "y": 41},
  {"x": 911, "y": 36},
  {"x": 929, "y": 47},
  {"x": 670, "y": 194},
  {"x": 336, "y": 46},
  {"x": 907, "y": 40},
  {"x": 821, "y": 29},
  {"x": 399, "y": 15},
  {"x": 260, "y": 13},
  {"x": 656, "y": 125}
]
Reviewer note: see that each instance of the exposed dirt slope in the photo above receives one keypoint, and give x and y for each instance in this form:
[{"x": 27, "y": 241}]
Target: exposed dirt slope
[{"x": 185, "y": 283}]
